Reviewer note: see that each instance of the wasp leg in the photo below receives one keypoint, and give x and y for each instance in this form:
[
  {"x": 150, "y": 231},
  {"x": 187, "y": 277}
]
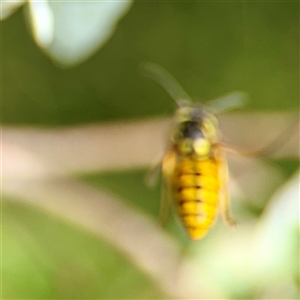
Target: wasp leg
[
  {"x": 168, "y": 167},
  {"x": 165, "y": 202},
  {"x": 226, "y": 210},
  {"x": 153, "y": 174},
  {"x": 225, "y": 206},
  {"x": 165, "y": 205}
]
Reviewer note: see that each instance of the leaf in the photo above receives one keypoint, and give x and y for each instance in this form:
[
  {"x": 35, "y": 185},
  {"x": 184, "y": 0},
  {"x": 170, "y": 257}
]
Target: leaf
[
  {"x": 278, "y": 231},
  {"x": 70, "y": 32},
  {"x": 9, "y": 7},
  {"x": 42, "y": 22}
]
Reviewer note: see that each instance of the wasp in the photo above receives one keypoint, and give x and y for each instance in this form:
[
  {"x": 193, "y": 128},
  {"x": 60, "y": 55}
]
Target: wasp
[{"x": 194, "y": 167}]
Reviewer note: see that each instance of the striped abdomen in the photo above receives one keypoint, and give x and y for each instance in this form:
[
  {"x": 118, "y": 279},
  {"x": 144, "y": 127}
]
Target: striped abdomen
[{"x": 196, "y": 191}]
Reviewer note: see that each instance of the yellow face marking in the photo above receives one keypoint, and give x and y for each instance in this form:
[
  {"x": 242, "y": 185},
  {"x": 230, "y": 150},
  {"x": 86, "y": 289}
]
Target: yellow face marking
[
  {"x": 202, "y": 147},
  {"x": 186, "y": 146}
]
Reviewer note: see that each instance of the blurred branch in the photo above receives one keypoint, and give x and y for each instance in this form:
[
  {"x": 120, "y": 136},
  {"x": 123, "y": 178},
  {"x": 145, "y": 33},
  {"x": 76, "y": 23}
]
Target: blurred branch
[
  {"x": 127, "y": 145},
  {"x": 105, "y": 216}
]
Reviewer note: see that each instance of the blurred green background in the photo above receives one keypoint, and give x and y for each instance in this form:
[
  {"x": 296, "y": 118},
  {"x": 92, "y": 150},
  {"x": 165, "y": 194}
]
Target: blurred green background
[{"x": 212, "y": 48}]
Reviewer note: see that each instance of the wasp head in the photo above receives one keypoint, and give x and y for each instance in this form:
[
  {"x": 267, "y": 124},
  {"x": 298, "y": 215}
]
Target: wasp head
[{"x": 195, "y": 130}]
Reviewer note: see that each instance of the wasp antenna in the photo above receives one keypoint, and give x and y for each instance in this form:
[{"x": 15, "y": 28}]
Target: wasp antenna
[
  {"x": 166, "y": 80},
  {"x": 228, "y": 102}
]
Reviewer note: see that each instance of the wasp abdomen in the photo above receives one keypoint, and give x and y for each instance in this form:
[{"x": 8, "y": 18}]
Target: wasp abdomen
[{"x": 196, "y": 188}]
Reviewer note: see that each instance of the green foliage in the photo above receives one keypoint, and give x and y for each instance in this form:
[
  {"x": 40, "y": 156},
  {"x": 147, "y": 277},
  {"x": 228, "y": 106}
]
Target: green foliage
[
  {"x": 44, "y": 257},
  {"x": 212, "y": 48},
  {"x": 131, "y": 186}
]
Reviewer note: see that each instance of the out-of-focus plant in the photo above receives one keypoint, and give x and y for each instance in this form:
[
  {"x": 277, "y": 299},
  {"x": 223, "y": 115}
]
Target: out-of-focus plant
[
  {"x": 70, "y": 31},
  {"x": 9, "y": 7},
  {"x": 78, "y": 221}
]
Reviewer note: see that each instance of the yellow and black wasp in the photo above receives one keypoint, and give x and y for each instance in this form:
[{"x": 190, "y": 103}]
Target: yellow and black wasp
[{"x": 194, "y": 167}]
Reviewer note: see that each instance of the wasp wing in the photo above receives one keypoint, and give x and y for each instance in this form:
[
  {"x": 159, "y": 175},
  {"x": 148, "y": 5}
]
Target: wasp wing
[
  {"x": 168, "y": 167},
  {"x": 227, "y": 102}
]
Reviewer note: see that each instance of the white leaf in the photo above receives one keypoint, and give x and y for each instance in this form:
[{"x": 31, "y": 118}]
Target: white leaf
[
  {"x": 79, "y": 28},
  {"x": 9, "y": 7},
  {"x": 277, "y": 232},
  {"x": 42, "y": 22}
]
